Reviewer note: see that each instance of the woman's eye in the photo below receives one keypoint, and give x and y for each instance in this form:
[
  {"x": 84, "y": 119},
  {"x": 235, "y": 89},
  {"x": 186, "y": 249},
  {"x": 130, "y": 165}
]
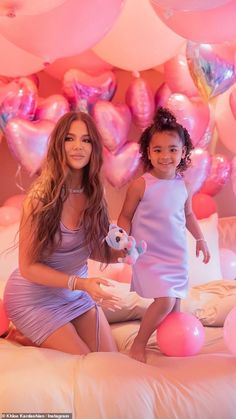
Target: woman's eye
[
  {"x": 68, "y": 138},
  {"x": 87, "y": 140}
]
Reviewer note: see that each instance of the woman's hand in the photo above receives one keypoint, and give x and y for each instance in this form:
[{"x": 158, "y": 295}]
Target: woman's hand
[{"x": 101, "y": 297}]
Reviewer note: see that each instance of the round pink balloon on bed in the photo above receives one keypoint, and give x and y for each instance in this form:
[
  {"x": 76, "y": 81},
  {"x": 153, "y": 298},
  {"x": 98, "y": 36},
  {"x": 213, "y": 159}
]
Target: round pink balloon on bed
[
  {"x": 180, "y": 334},
  {"x": 4, "y": 322},
  {"x": 230, "y": 331}
]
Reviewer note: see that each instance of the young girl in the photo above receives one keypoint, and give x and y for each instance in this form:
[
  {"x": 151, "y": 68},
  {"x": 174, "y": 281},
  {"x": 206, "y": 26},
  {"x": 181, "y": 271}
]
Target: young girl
[
  {"x": 49, "y": 299},
  {"x": 157, "y": 209}
]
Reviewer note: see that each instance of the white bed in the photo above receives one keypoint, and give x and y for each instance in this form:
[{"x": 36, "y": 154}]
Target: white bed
[{"x": 113, "y": 386}]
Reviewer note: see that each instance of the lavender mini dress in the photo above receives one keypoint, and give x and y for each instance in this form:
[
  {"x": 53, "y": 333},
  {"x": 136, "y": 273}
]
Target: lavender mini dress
[
  {"x": 37, "y": 310},
  {"x": 160, "y": 220}
]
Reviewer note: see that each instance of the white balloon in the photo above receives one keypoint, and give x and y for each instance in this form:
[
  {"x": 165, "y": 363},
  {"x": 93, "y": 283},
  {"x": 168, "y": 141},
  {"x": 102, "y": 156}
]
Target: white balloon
[{"x": 189, "y": 5}]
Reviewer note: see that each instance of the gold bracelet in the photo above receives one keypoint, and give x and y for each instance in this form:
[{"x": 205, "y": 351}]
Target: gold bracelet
[{"x": 71, "y": 282}]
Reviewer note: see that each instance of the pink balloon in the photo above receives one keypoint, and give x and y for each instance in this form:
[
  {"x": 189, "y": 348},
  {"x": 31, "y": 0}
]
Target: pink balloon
[
  {"x": 162, "y": 95},
  {"x": 226, "y": 121},
  {"x": 137, "y": 29},
  {"x": 212, "y": 67},
  {"x": 18, "y": 99},
  {"x": 4, "y": 321},
  {"x": 180, "y": 334},
  {"x": 67, "y": 30},
  {"x": 191, "y": 5},
  {"x": 15, "y": 201},
  {"x": 83, "y": 90},
  {"x": 113, "y": 122},
  {"x": 9, "y": 215},
  {"x": 218, "y": 176},
  {"x": 178, "y": 77},
  {"x": 202, "y": 26},
  {"x": 192, "y": 114},
  {"x": 228, "y": 263},
  {"x": 140, "y": 99},
  {"x": 28, "y": 142},
  {"x": 27, "y": 7},
  {"x": 233, "y": 175},
  {"x": 17, "y": 61},
  {"x": 197, "y": 173},
  {"x": 52, "y": 108},
  {"x": 232, "y": 101},
  {"x": 208, "y": 134},
  {"x": 87, "y": 61},
  {"x": 230, "y": 331},
  {"x": 203, "y": 205},
  {"x": 120, "y": 168}
]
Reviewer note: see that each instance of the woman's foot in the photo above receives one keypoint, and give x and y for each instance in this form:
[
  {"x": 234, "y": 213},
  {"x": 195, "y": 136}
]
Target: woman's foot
[{"x": 137, "y": 352}]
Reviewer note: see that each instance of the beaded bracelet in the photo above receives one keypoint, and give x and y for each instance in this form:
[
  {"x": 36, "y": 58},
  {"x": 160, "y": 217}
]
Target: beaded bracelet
[{"x": 200, "y": 240}]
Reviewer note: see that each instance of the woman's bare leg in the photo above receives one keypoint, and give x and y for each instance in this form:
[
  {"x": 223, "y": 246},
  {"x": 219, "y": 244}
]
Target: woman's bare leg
[
  {"x": 153, "y": 316},
  {"x": 66, "y": 339},
  {"x": 86, "y": 328}
]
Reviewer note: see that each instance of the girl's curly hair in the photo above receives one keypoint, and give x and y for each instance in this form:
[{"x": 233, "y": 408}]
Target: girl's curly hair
[{"x": 164, "y": 120}]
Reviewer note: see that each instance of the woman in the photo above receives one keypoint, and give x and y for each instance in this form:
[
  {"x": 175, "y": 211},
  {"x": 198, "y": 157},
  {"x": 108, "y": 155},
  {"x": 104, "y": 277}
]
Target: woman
[{"x": 64, "y": 221}]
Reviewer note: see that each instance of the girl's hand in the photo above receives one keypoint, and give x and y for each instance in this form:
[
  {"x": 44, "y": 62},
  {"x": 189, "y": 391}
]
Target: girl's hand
[
  {"x": 201, "y": 246},
  {"x": 92, "y": 287}
]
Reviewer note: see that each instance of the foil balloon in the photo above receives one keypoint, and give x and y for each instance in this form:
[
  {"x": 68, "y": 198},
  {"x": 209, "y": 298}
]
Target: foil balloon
[
  {"x": 218, "y": 176},
  {"x": 120, "y": 168},
  {"x": 113, "y": 122},
  {"x": 162, "y": 95},
  {"x": 193, "y": 114},
  {"x": 178, "y": 77},
  {"x": 18, "y": 99},
  {"x": 83, "y": 90},
  {"x": 28, "y": 142},
  {"x": 212, "y": 67},
  {"x": 52, "y": 108},
  {"x": 232, "y": 101},
  {"x": 200, "y": 167},
  {"x": 140, "y": 99},
  {"x": 209, "y": 132}
]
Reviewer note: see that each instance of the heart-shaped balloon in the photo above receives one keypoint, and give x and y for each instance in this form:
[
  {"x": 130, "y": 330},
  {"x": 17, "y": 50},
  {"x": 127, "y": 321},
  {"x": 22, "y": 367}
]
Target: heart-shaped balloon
[
  {"x": 218, "y": 176},
  {"x": 162, "y": 95},
  {"x": 52, "y": 108},
  {"x": 113, "y": 122},
  {"x": 83, "y": 90},
  {"x": 199, "y": 170},
  {"x": 140, "y": 99},
  {"x": 208, "y": 134},
  {"x": 233, "y": 175},
  {"x": 18, "y": 99},
  {"x": 232, "y": 101},
  {"x": 193, "y": 114},
  {"x": 28, "y": 142},
  {"x": 119, "y": 168},
  {"x": 212, "y": 67}
]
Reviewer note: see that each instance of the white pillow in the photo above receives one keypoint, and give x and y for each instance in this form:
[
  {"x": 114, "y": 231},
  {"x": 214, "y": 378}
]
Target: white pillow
[
  {"x": 199, "y": 272},
  {"x": 8, "y": 252}
]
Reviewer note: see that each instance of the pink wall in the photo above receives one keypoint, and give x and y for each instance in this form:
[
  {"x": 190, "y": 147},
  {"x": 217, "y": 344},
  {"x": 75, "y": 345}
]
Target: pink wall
[{"x": 226, "y": 200}]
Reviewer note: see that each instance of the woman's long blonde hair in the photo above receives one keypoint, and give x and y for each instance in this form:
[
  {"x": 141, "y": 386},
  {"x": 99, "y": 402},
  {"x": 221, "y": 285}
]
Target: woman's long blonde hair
[{"x": 50, "y": 191}]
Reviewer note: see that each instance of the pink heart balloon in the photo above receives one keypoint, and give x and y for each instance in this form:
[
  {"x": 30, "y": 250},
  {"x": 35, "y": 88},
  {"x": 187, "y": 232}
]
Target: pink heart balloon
[
  {"x": 83, "y": 90},
  {"x": 140, "y": 99},
  {"x": 193, "y": 114},
  {"x": 208, "y": 134},
  {"x": 162, "y": 95},
  {"x": 233, "y": 175},
  {"x": 199, "y": 170},
  {"x": 232, "y": 101},
  {"x": 212, "y": 67},
  {"x": 18, "y": 99},
  {"x": 113, "y": 122},
  {"x": 218, "y": 176},
  {"x": 28, "y": 142},
  {"x": 52, "y": 108},
  {"x": 119, "y": 168}
]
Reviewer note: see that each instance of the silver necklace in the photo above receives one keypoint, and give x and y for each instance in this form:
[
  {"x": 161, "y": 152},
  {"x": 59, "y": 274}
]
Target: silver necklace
[{"x": 76, "y": 190}]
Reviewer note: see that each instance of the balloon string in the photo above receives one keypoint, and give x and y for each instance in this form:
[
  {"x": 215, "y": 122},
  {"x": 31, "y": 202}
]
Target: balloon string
[{"x": 18, "y": 178}]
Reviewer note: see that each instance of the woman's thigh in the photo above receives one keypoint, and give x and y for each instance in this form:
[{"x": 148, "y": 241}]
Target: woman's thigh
[{"x": 86, "y": 326}]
